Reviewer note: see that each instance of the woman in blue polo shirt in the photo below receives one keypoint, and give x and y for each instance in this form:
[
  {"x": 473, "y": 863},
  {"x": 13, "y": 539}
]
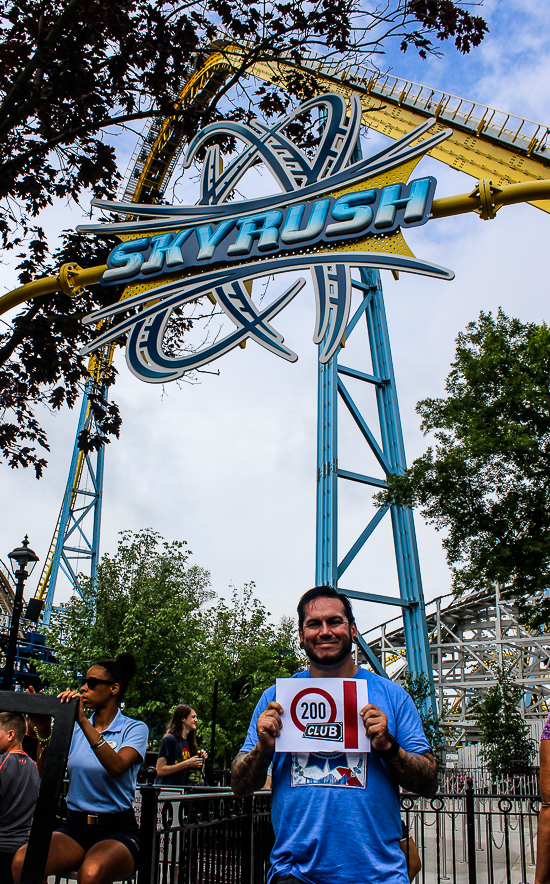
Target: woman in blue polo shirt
[{"x": 100, "y": 835}]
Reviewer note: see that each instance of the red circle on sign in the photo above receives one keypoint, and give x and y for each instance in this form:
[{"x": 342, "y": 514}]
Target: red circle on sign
[{"x": 303, "y": 693}]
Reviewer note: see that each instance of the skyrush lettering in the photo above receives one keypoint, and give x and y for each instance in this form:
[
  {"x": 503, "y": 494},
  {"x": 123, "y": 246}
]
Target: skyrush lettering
[{"x": 352, "y": 215}]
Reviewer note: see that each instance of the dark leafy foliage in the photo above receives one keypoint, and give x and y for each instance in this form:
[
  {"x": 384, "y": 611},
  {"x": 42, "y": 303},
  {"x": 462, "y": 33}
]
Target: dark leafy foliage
[
  {"x": 75, "y": 73},
  {"x": 487, "y": 482},
  {"x": 447, "y": 20}
]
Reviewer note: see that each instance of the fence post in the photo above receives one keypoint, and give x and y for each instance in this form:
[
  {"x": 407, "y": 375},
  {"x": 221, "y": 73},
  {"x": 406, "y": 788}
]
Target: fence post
[
  {"x": 247, "y": 843},
  {"x": 148, "y": 860},
  {"x": 471, "y": 832}
]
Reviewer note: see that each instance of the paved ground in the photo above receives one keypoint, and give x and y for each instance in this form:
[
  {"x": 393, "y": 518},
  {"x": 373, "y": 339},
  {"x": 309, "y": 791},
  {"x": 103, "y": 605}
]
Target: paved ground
[{"x": 449, "y": 862}]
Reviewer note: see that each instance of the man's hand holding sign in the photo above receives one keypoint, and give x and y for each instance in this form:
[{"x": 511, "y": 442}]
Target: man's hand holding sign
[
  {"x": 269, "y": 727},
  {"x": 318, "y": 728}
]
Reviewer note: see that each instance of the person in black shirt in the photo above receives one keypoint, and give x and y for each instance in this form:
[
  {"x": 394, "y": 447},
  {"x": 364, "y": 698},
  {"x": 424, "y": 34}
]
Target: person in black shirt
[
  {"x": 178, "y": 753},
  {"x": 19, "y": 784}
]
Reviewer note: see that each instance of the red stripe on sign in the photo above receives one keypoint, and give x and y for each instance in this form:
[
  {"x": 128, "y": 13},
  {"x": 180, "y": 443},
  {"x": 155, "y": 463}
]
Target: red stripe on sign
[{"x": 350, "y": 715}]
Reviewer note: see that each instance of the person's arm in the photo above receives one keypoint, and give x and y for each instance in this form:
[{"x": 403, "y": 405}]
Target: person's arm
[
  {"x": 249, "y": 769},
  {"x": 416, "y": 772},
  {"x": 115, "y": 763},
  {"x": 542, "y": 872},
  {"x": 164, "y": 769}
]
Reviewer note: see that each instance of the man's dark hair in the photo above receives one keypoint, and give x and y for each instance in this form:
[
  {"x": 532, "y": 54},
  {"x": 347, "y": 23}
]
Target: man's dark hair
[
  {"x": 323, "y": 592},
  {"x": 13, "y": 721}
]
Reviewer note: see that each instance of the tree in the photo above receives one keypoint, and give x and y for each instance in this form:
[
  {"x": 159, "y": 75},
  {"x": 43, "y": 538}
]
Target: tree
[
  {"x": 487, "y": 481},
  {"x": 242, "y": 643},
  {"x": 506, "y": 748},
  {"x": 149, "y": 600},
  {"x": 76, "y": 73},
  {"x": 418, "y": 687}
]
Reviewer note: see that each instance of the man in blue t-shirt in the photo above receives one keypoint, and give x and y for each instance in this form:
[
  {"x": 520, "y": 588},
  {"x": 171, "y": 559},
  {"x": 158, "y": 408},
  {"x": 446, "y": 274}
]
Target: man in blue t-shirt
[{"x": 336, "y": 815}]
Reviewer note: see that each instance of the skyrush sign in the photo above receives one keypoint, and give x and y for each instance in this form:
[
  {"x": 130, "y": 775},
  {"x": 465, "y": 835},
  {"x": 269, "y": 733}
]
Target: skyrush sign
[
  {"x": 327, "y": 220},
  {"x": 334, "y": 213}
]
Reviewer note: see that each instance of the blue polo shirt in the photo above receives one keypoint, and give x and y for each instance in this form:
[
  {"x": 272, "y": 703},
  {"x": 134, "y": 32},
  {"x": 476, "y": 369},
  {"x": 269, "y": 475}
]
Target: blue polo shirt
[{"x": 91, "y": 788}]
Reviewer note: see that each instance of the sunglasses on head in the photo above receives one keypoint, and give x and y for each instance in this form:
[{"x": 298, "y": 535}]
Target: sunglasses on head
[{"x": 92, "y": 682}]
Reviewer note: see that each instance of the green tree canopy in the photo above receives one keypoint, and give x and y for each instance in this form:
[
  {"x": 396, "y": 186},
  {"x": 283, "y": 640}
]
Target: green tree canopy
[
  {"x": 242, "y": 642},
  {"x": 506, "y": 747},
  {"x": 486, "y": 482},
  {"x": 150, "y": 600}
]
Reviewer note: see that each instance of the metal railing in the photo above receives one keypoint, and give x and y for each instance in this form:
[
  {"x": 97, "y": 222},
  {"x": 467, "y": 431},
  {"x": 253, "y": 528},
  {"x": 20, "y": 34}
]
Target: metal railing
[
  {"x": 216, "y": 838},
  {"x": 470, "y": 837},
  {"x": 455, "y": 780},
  {"x": 516, "y": 132},
  {"x": 213, "y": 837}
]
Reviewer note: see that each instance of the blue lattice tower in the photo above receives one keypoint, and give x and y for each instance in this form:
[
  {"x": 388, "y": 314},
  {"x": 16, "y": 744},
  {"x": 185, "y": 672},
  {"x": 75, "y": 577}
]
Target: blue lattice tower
[
  {"x": 75, "y": 545},
  {"x": 391, "y": 458}
]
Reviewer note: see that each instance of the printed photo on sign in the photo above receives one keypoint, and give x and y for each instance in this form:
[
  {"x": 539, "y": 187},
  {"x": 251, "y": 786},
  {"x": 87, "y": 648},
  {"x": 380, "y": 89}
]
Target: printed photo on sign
[
  {"x": 322, "y": 715},
  {"x": 342, "y": 769}
]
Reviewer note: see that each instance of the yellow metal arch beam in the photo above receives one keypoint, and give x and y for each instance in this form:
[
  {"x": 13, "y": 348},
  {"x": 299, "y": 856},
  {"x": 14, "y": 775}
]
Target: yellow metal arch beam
[
  {"x": 485, "y": 142},
  {"x": 486, "y": 200}
]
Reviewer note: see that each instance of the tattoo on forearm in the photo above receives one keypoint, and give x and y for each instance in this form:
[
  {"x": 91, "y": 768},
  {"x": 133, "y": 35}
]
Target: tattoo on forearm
[
  {"x": 414, "y": 772},
  {"x": 249, "y": 771}
]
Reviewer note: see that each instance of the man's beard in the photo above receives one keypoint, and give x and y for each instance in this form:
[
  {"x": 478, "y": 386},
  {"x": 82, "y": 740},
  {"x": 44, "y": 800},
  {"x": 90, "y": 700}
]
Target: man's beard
[{"x": 329, "y": 659}]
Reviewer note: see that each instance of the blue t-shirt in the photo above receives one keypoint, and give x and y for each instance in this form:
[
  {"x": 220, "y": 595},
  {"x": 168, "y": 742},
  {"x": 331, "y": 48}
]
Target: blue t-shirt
[
  {"x": 91, "y": 788},
  {"x": 336, "y": 815}
]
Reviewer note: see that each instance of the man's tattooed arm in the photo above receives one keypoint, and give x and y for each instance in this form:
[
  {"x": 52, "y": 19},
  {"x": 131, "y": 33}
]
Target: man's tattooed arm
[
  {"x": 414, "y": 772},
  {"x": 249, "y": 772}
]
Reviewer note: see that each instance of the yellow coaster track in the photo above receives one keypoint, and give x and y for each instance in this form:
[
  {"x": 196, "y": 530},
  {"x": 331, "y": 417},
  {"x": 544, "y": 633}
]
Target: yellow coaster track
[
  {"x": 507, "y": 155},
  {"x": 485, "y": 142}
]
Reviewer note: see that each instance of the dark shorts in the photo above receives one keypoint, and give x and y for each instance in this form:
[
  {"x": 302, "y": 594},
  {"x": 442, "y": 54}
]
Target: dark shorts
[
  {"x": 5, "y": 867},
  {"x": 87, "y": 835}
]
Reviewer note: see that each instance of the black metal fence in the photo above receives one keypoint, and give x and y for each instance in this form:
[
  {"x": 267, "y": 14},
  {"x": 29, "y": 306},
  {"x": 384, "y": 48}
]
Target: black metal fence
[
  {"x": 465, "y": 837},
  {"x": 470, "y": 837},
  {"x": 215, "y": 838}
]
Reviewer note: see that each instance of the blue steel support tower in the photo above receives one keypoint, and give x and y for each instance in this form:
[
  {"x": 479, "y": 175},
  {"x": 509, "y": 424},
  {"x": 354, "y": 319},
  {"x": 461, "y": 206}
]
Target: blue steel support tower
[
  {"x": 391, "y": 458},
  {"x": 76, "y": 538}
]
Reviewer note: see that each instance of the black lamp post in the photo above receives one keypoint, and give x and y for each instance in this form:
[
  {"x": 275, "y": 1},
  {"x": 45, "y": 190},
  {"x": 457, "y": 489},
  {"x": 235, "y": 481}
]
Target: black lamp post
[{"x": 21, "y": 559}]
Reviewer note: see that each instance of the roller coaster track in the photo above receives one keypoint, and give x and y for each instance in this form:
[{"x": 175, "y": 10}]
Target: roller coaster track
[
  {"x": 97, "y": 366},
  {"x": 485, "y": 141},
  {"x": 7, "y": 590},
  {"x": 493, "y": 147},
  {"x": 507, "y": 155}
]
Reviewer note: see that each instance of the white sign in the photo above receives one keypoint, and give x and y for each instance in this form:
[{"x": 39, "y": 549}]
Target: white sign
[{"x": 322, "y": 714}]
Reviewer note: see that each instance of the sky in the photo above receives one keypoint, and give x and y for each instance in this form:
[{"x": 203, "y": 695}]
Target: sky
[{"x": 229, "y": 464}]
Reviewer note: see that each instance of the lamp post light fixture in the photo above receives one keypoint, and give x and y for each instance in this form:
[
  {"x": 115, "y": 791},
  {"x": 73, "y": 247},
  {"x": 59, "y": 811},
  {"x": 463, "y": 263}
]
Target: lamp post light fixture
[{"x": 22, "y": 562}]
